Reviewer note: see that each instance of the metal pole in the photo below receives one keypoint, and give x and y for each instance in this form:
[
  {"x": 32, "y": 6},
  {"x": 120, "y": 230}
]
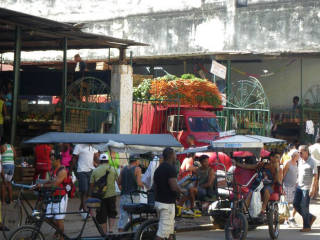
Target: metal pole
[
  {"x": 131, "y": 58},
  {"x": 16, "y": 83},
  {"x": 301, "y": 104},
  {"x": 228, "y": 92},
  {"x": 64, "y": 83}
]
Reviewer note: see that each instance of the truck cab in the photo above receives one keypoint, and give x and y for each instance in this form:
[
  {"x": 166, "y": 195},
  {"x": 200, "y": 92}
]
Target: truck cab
[{"x": 180, "y": 121}]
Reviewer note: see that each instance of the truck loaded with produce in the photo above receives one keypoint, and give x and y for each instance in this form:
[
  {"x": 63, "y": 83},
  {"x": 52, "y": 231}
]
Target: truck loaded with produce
[{"x": 179, "y": 106}]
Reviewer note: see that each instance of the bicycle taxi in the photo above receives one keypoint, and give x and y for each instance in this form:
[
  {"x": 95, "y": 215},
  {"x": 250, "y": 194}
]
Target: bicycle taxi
[
  {"x": 228, "y": 210},
  {"x": 125, "y": 143}
]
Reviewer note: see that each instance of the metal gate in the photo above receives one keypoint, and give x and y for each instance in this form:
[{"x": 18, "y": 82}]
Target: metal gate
[
  {"x": 311, "y": 111},
  {"x": 247, "y": 108},
  {"x": 90, "y": 105}
]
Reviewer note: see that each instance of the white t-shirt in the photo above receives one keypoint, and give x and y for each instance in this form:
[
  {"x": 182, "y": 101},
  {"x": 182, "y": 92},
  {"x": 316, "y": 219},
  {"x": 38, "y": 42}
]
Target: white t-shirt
[
  {"x": 85, "y": 153},
  {"x": 315, "y": 153}
]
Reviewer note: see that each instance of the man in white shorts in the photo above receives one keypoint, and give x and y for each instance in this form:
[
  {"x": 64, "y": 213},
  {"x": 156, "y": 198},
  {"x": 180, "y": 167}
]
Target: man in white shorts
[
  {"x": 166, "y": 190},
  {"x": 59, "y": 177}
]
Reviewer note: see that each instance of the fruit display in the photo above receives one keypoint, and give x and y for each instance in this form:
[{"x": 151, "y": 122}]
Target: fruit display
[{"x": 189, "y": 89}]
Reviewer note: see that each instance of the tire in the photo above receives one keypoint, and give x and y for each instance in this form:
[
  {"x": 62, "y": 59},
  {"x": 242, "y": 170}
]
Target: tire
[
  {"x": 26, "y": 232},
  {"x": 136, "y": 222},
  {"x": 147, "y": 230},
  {"x": 273, "y": 222},
  {"x": 238, "y": 228},
  {"x": 12, "y": 219},
  {"x": 217, "y": 224}
]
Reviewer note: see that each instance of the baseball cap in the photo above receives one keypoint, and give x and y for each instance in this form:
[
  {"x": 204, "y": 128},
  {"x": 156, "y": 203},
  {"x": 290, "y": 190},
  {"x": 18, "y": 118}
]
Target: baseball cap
[
  {"x": 104, "y": 157},
  {"x": 134, "y": 156}
]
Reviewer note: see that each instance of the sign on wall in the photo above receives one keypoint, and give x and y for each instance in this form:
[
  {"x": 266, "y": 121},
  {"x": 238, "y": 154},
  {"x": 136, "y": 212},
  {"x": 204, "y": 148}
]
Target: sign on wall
[{"x": 218, "y": 69}]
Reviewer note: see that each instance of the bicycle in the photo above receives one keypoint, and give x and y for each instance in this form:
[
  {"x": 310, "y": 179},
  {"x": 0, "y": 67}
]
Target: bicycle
[
  {"x": 34, "y": 232},
  {"x": 12, "y": 218}
]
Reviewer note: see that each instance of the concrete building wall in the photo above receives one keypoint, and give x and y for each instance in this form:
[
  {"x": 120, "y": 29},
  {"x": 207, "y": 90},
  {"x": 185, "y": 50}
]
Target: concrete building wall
[{"x": 188, "y": 26}]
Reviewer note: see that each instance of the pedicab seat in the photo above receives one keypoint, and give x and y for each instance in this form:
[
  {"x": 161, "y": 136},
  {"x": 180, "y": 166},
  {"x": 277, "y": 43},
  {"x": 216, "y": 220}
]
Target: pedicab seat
[
  {"x": 93, "y": 203},
  {"x": 138, "y": 208}
]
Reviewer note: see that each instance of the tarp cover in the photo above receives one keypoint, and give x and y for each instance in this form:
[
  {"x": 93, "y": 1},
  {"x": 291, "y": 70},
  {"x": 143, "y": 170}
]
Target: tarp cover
[
  {"x": 118, "y": 142},
  {"x": 237, "y": 143}
]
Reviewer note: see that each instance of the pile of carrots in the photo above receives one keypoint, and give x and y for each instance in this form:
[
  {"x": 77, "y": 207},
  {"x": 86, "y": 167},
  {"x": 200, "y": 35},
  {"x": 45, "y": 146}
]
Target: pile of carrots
[{"x": 191, "y": 92}]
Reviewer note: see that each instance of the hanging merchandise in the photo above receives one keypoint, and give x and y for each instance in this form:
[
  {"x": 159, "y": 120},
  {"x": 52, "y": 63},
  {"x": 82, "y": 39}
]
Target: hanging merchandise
[{"x": 309, "y": 127}]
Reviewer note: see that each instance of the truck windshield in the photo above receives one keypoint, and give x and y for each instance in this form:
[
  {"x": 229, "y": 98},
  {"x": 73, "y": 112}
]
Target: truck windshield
[{"x": 200, "y": 124}]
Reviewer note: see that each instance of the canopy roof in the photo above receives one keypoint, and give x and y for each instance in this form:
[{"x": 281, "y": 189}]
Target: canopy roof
[
  {"x": 117, "y": 142},
  {"x": 229, "y": 145},
  {"x": 45, "y": 34}
]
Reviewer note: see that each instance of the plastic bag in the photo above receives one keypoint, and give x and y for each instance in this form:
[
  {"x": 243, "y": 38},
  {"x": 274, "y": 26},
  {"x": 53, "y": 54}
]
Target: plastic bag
[
  {"x": 283, "y": 208},
  {"x": 255, "y": 204}
]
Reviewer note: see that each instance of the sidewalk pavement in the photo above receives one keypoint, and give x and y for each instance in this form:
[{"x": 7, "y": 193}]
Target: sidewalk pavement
[{"x": 73, "y": 222}]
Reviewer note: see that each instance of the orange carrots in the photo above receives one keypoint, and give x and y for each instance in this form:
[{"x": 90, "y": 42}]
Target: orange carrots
[{"x": 193, "y": 92}]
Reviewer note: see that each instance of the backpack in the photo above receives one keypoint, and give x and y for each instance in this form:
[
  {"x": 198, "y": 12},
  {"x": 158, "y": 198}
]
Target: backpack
[{"x": 100, "y": 186}]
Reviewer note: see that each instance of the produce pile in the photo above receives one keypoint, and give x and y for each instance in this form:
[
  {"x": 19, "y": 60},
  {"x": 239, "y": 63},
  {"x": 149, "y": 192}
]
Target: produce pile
[{"x": 189, "y": 89}]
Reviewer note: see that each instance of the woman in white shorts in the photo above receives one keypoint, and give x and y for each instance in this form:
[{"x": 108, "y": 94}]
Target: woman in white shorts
[
  {"x": 290, "y": 176},
  {"x": 8, "y": 154}
]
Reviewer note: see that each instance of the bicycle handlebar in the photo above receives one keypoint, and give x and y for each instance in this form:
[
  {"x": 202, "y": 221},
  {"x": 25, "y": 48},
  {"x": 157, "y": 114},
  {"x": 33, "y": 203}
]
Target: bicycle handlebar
[
  {"x": 22, "y": 185},
  {"x": 31, "y": 186},
  {"x": 253, "y": 177}
]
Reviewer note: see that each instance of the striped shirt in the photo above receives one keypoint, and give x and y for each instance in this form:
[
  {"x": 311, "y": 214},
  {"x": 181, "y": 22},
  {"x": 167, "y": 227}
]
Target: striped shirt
[
  {"x": 7, "y": 156},
  {"x": 306, "y": 171}
]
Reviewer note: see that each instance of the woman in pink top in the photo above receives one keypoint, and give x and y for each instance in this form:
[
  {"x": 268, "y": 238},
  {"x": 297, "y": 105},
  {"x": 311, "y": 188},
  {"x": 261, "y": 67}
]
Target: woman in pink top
[{"x": 66, "y": 154}]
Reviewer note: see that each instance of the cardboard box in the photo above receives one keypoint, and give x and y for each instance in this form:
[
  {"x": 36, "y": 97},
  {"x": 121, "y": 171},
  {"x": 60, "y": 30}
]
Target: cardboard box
[{"x": 102, "y": 66}]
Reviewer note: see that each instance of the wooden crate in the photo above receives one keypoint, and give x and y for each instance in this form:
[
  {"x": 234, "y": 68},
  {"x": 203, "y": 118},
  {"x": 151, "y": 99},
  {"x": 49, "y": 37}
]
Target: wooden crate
[
  {"x": 314, "y": 116},
  {"x": 23, "y": 174}
]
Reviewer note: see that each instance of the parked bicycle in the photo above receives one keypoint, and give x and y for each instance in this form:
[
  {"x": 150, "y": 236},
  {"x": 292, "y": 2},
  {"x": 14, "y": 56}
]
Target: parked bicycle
[
  {"x": 20, "y": 212},
  {"x": 40, "y": 215}
]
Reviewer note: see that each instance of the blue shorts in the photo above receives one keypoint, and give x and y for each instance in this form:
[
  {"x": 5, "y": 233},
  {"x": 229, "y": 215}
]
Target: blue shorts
[
  {"x": 264, "y": 189},
  {"x": 8, "y": 171},
  {"x": 84, "y": 180}
]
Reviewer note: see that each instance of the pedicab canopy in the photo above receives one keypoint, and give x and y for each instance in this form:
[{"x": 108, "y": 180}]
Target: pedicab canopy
[
  {"x": 229, "y": 145},
  {"x": 127, "y": 143}
]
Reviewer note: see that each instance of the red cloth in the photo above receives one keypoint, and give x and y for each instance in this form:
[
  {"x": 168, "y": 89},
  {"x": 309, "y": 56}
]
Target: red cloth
[
  {"x": 61, "y": 185},
  {"x": 42, "y": 155}
]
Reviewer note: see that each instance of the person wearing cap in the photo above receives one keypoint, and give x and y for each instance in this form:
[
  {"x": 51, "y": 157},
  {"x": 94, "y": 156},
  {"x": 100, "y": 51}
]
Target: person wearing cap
[
  {"x": 129, "y": 179},
  {"x": 87, "y": 158},
  {"x": 108, "y": 211},
  {"x": 315, "y": 154}
]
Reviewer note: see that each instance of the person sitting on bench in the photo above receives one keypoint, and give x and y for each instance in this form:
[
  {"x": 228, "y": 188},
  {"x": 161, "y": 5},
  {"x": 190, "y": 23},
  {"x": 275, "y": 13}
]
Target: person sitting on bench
[
  {"x": 205, "y": 178},
  {"x": 271, "y": 173}
]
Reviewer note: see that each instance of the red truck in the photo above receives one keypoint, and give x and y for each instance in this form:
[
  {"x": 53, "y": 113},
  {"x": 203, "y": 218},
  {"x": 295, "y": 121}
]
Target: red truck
[{"x": 179, "y": 120}]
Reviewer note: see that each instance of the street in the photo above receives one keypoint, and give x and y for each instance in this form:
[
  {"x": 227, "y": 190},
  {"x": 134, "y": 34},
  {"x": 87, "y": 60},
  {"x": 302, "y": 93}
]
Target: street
[{"x": 188, "y": 227}]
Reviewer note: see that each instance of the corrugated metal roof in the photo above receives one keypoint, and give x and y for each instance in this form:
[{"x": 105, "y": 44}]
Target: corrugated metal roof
[{"x": 45, "y": 34}]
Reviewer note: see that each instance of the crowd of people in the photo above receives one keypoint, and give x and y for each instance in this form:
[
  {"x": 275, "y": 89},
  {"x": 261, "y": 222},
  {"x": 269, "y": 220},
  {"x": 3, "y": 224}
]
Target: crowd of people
[{"x": 297, "y": 169}]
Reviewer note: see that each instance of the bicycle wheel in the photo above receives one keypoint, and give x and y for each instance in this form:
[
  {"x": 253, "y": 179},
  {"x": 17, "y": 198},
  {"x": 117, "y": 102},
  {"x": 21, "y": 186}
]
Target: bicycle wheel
[
  {"x": 133, "y": 224},
  {"x": 26, "y": 232},
  {"x": 12, "y": 219},
  {"x": 273, "y": 222},
  {"x": 147, "y": 230},
  {"x": 236, "y": 227},
  {"x": 46, "y": 228}
]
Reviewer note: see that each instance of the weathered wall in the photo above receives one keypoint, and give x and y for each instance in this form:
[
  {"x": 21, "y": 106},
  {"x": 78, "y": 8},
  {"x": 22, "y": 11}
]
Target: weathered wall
[{"x": 187, "y": 26}]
